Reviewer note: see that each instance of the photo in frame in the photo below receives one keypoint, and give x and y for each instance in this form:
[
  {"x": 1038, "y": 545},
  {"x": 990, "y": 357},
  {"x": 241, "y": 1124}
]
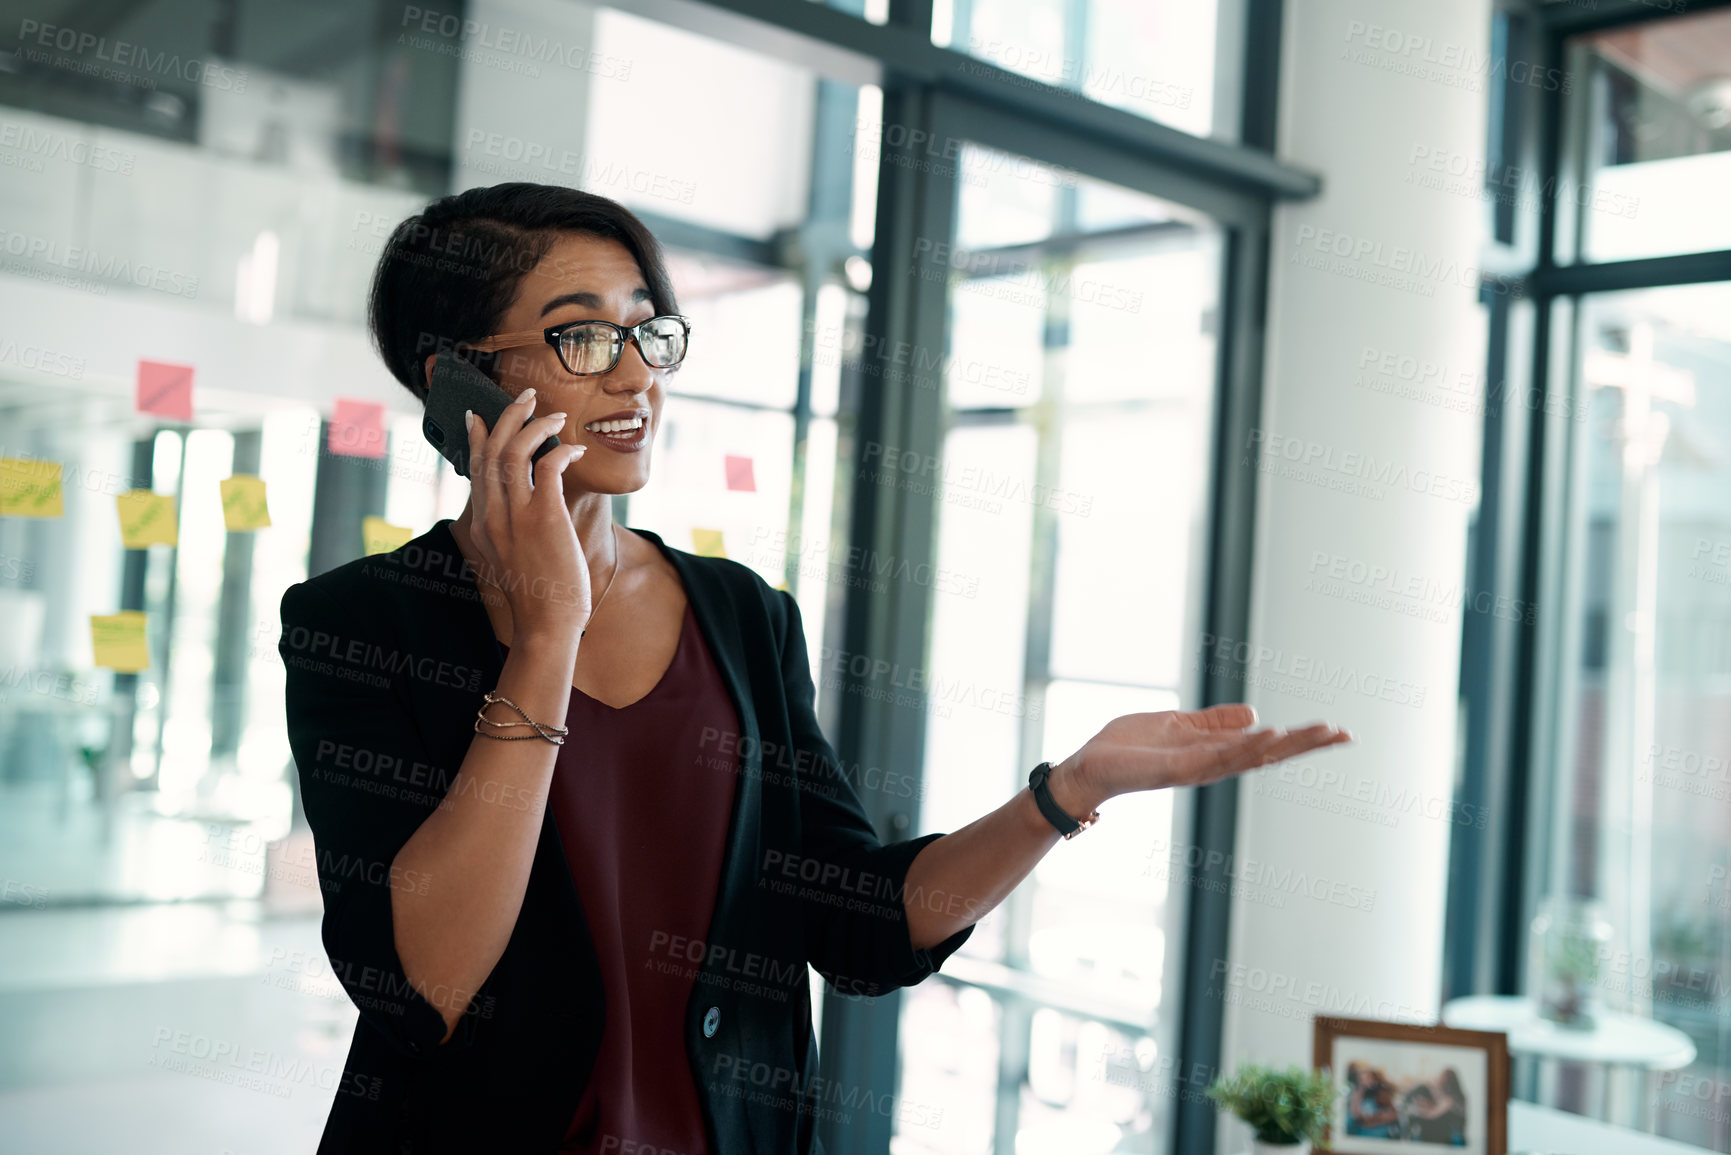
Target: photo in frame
[{"x": 1408, "y": 1089}]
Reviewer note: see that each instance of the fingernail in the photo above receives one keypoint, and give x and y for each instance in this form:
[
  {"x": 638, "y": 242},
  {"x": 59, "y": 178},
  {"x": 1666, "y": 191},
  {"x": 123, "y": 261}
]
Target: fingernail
[
  {"x": 469, "y": 419},
  {"x": 550, "y": 415},
  {"x": 526, "y": 394}
]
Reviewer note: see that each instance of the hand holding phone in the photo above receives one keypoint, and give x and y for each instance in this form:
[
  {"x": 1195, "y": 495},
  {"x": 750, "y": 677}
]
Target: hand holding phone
[
  {"x": 457, "y": 386},
  {"x": 519, "y": 524}
]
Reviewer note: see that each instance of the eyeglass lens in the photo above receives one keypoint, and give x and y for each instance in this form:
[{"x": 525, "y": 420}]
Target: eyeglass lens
[{"x": 595, "y": 347}]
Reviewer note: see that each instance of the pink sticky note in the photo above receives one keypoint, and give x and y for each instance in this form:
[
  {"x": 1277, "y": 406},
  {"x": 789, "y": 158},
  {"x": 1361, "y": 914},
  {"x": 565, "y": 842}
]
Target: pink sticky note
[
  {"x": 739, "y": 474},
  {"x": 164, "y": 389},
  {"x": 357, "y": 429}
]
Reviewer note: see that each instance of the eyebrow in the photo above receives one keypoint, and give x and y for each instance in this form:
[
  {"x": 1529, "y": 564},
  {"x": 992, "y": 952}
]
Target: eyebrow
[{"x": 589, "y": 300}]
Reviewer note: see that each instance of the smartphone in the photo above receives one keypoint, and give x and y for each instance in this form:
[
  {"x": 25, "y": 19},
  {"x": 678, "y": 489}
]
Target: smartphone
[{"x": 457, "y": 385}]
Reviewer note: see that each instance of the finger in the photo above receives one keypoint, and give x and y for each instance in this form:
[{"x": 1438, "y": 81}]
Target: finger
[
  {"x": 480, "y": 493},
  {"x": 513, "y": 464},
  {"x": 1208, "y": 762},
  {"x": 1303, "y": 741},
  {"x": 548, "y": 472},
  {"x": 534, "y": 432}
]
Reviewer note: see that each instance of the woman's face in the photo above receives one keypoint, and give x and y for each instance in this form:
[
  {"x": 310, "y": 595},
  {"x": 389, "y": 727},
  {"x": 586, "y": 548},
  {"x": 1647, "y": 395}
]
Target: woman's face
[{"x": 588, "y": 278}]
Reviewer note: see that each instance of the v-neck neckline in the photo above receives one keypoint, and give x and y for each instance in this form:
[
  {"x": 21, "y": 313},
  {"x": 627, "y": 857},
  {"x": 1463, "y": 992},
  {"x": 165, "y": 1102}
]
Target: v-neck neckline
[{"x": 678, "y": 649}]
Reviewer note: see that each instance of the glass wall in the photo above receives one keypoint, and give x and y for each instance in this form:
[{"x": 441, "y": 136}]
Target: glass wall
[
  {"x": 1644, "y": 759},
  {"x": 193, "y": 420},
  {"x": 1079, "y": 391},
  {"x": 1621, "y": 731}
]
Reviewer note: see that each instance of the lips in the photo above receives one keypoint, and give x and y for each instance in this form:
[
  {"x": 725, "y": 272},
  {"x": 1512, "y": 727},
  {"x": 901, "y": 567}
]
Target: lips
[{"x": 626, "y": 430}]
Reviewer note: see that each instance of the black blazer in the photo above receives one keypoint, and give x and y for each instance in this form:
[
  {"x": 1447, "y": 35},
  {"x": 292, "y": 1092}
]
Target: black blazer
[{"x": 387, "y": 659}]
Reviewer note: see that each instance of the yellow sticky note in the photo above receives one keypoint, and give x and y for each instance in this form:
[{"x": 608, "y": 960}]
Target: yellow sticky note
[
  {"x": 380, "y": 536},
  {"x": 29, "y": 488},
  {"x": 243, "y": 505},
  {"x": 708, "y": 542},
  {"x": 118, "y": 641},
  {"x": 146, "y": 518}
]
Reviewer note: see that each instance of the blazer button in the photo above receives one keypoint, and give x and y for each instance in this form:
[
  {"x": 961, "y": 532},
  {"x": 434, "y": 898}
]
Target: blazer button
[{"x": 711, "y": 1021}]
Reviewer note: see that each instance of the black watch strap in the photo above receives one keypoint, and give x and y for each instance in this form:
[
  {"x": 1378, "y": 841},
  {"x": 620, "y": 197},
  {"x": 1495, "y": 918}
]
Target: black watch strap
[{"x": 1048, "y": 805}]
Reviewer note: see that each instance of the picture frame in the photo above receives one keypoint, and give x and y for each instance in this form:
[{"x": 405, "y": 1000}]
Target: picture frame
[{"x": 1413, "y": 1089}]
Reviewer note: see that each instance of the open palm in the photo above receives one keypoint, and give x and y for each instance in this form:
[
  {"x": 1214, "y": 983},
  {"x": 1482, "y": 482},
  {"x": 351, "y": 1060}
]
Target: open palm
[{"x": 1152, "y": 751}]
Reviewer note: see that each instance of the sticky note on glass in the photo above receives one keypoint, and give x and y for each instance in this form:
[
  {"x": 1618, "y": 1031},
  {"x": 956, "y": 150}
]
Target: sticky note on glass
[
  {"x": 708, "y": 543},
  {"x": 357, "y": 429},
  {"x": 164, "y": 389},
  {"x": 739, "y": 474},
  {"x": 146, "y": 518},
  {"x": 243, "y": 504},
  {"x": 118, "y": 641},
  {"x": 29, "y": 488},
  {"x": 380, "y": 536}
]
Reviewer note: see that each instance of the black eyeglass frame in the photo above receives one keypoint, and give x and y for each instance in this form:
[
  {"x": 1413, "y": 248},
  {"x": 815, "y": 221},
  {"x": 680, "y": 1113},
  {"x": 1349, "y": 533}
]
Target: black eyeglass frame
[{"x": 552, "y": 335}]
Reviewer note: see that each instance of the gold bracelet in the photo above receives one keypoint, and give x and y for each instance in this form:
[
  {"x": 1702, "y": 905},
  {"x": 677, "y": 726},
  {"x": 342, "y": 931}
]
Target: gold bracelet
[{"x": 553, "y": 734}]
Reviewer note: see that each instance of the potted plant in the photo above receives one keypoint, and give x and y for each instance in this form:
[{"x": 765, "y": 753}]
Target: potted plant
[{"x": 1288, "y": 1110}]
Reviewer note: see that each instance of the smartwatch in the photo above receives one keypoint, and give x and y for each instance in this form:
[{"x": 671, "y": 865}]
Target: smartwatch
[{"x": 1062, "y": 822}]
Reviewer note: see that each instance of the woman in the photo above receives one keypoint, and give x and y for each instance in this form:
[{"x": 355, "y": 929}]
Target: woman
[
  {"x": 573, "y": 882},
  {"x": 1370, "y": 1109},
  {"x": 1436, "y": 1112}
]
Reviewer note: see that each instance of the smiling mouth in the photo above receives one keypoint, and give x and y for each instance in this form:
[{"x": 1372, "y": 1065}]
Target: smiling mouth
[{"x": 622, "y": 429}]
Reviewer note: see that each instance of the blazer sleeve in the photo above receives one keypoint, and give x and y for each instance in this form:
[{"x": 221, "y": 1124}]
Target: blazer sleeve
[
  {"x": 354, "y": 741},
  {"x": 856, "y": 928}
]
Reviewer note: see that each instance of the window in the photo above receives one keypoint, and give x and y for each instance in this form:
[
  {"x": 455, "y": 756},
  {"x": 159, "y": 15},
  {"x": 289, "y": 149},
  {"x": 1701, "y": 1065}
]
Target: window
[{"x": 1079, "y": 391}]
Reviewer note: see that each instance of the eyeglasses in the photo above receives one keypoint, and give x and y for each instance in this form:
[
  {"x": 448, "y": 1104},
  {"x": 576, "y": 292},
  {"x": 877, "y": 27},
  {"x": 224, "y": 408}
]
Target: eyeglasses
[{"x": 587, "y": 348}]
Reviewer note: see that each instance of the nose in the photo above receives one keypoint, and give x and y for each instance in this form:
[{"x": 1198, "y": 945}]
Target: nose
[{"x": 633, "y": 374}]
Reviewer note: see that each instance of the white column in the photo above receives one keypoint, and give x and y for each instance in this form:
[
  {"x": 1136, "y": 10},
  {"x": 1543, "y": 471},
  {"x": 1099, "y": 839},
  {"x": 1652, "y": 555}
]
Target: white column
[
  {"x": 523, "y": 92},
  {"x": 1370, "y": 444}
]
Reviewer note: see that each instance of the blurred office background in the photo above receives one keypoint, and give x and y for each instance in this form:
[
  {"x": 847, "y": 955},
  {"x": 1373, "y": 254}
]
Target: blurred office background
[{"x": 1064, "y": 358}]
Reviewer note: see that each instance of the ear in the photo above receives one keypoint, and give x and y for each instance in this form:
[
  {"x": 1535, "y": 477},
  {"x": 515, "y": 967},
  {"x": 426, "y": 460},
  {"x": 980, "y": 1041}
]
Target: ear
[{"x": 431, "y": 357}]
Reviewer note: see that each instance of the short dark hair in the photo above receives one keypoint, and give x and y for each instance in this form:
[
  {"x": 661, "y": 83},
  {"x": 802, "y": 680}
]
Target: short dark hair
[{"x": 448, "y": 274}]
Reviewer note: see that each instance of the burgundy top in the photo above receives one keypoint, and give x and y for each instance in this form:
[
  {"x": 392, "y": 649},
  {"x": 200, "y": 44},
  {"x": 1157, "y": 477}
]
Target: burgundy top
[{"x": 642, "y": 802}]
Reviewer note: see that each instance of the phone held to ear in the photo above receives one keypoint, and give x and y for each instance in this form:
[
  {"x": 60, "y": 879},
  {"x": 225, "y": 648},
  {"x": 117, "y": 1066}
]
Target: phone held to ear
[{"x": 457, "y": 385}]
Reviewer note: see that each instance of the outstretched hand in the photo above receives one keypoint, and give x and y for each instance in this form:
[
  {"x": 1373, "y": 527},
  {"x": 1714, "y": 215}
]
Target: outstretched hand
[{"x": 1177, "y": 748}]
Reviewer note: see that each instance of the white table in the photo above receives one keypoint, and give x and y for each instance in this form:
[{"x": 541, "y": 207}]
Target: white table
[
  {"x": 1536, "y": 1130},
  {"x": 1615, "y": 1040}
]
